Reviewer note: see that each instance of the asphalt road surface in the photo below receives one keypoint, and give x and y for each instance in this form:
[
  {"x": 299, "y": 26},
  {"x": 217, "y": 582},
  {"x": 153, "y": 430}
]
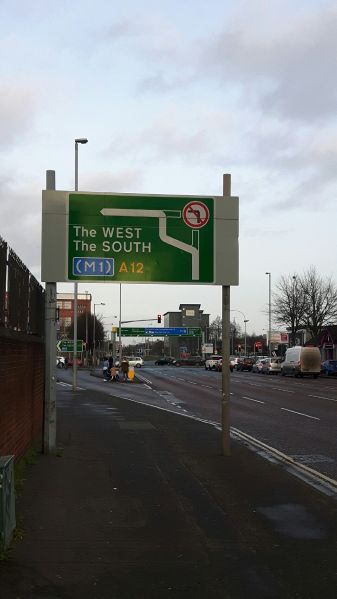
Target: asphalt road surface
[{"x": 297, "y": 417}]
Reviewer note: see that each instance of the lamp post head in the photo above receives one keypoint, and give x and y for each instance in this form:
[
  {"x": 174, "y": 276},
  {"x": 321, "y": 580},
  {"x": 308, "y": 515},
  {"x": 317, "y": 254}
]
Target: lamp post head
[{"x": 81, "y": 140}]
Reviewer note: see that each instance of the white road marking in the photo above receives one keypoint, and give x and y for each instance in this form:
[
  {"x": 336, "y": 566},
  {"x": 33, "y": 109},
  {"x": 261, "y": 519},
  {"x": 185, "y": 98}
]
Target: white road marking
[
  {"x": 284, "y": 390},
  {"x": 147, "y": 386},
  {"x": 143, "y": 378},
  {"x": 321, "y": 397},
  {"x": 300, "y": 414},
  {"x": 251, "y": 399},
  {"x": 62, "y": 384}
]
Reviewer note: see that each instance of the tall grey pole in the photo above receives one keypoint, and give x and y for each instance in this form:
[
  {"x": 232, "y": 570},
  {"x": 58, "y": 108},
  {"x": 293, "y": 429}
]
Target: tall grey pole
[
  {"x": 49, "y": 426},
  {"x": 80, "y": 140},
  {"x": 94, "y": 339},
  {"x": 120, "y": 324},
  {"x": 269, "y": 312},
  {"x": 225, "y": 411},
  {"x": 75, "y": 289}
]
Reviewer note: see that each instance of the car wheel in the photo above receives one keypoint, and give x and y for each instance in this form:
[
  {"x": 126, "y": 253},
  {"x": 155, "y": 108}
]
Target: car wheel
[{"x": 138, "y": 365}]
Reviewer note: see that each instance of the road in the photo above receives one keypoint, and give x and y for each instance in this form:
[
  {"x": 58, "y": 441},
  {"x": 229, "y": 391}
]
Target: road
[{"x": 298, "y": 417}]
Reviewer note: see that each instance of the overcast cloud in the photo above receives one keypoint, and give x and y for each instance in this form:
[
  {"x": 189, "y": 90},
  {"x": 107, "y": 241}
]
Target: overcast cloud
[{"x": 171, "y": 96}]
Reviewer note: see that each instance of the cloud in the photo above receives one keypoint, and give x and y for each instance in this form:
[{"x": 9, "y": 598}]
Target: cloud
[
  {"x": 123, "y": 180},
  {"x": 17, "y": 111}
]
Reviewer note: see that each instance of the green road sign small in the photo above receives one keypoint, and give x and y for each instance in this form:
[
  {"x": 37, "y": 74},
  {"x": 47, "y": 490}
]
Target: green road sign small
[{"x": 67, "y": 345}]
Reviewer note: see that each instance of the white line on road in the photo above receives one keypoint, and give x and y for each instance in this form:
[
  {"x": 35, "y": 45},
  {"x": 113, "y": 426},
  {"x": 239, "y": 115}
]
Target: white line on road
[
  {"x": 300, "y": 414},
  {"x": 251, "y": 399},
  {"x": 62, "y": 384},
  {"x": 147, "y": 386},
  {"x": 143, "y": 378},
  {"x": 284, "y": 390},
  {"x": 321, "y": 397}
]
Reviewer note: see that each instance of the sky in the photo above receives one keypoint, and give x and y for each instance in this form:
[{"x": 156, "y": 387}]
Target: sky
[{"x": 171, "y": 95}]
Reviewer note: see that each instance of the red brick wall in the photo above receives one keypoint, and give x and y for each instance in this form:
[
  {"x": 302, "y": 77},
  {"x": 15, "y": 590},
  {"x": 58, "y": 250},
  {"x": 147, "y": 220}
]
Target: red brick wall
[{"x": 21, "y": 393}]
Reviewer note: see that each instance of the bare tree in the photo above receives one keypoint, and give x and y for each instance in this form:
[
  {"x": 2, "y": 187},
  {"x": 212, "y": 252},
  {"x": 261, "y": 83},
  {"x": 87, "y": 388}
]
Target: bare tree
[
  {"x": 320, "y": 301},
  {"x": 290, "y": 304},
  {"x": 215, "y": 333},
  {"x": 82, "y": 323}
]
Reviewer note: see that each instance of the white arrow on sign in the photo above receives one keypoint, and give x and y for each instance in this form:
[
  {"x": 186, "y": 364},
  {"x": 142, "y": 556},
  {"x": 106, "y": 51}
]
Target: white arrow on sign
[{"x": 160, "y": 214}]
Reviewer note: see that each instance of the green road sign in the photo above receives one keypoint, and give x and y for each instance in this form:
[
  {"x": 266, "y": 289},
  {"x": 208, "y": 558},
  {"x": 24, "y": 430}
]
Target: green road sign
[
  {"x": 67, "y": 345},
  {"x": 139, "y": 238},
  {"x": 128, "y": 238}
]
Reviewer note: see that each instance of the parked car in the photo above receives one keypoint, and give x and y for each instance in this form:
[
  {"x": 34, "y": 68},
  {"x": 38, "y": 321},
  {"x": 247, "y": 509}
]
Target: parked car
[
  {"x": 258, "y": 365},
  {"x": 164, "y": 360},
  {"x": 302, "y": 360},
  {"x": 329, "y": 367},
  {"x": 135, "y": 361},
  {"x": 211, "y": 362},
  {"x": 78, "y": 362},
  {"x": 245, "y": 364},
  {"x": 191, "y": 361},
  {"x": 234, "y": 360},
  {"x": 272, "y": 366},
  {"x": 218, "y": 366}
]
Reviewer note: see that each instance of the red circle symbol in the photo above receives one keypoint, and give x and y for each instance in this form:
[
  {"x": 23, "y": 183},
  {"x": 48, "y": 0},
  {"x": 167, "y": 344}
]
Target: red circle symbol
[{"x": 196, "y": 214}]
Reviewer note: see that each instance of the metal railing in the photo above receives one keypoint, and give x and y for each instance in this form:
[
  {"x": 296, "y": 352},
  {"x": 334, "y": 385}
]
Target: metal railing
[{"x": 21, "y": 295}]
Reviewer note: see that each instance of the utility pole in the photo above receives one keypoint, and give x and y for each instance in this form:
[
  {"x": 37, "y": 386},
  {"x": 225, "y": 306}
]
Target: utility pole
[{"x": 49, "y": 426}]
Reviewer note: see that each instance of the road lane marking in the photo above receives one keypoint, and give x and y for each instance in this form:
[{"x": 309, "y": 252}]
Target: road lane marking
[
  {"x": 284, "y": 390},
  {"x": 63, "y": 384},
  {"x": 300, "y": 414},
  {"x": 321, "y": 397},
  {"x": 251, "y": 399},
  {"x": 143, "y": 378}
]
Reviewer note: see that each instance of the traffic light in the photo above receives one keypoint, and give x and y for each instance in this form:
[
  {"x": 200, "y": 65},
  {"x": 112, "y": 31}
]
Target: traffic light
[{"x": 159, "y": 318}]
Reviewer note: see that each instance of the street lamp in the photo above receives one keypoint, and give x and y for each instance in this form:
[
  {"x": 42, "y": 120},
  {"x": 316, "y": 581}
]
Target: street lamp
[
  {"x": 245, "y": 321},
  {"x": 79, "y": 140},
  {"x": 269, "y": 323},
  {"x": 94, "y": 333}
]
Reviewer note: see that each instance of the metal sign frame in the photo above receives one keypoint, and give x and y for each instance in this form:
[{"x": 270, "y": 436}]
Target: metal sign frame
[{"x": 130, "y": 238}]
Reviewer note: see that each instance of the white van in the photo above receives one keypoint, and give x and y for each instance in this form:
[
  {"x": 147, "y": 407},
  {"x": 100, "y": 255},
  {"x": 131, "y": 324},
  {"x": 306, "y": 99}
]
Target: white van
[{"x": 302, "y": 360}]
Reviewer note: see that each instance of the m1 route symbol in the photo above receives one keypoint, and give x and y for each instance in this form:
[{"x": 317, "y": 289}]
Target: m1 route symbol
[{"x": 196, "y": 214}]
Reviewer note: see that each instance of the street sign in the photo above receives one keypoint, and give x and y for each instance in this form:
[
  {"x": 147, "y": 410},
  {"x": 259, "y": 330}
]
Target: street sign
[
  {"x": 160, "y": 332},
  {"x": 67, "y": 345},
  {"x": 139, "y": 238}
]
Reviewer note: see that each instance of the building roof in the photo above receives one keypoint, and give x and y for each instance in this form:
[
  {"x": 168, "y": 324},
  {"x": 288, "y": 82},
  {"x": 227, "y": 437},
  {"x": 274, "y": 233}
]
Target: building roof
[{"x": 182, "y": 306}]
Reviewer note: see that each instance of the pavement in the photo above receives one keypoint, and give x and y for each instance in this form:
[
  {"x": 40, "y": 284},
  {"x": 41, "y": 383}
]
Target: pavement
[{"x": 139, "y": 503}]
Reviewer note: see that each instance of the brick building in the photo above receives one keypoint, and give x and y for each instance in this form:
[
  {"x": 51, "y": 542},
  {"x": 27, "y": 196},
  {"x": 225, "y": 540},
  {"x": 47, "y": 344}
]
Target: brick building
[{"x": 65, "y": 305}]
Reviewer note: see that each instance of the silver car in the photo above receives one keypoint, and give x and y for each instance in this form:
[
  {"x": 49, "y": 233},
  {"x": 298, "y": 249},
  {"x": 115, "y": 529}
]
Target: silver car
[
  {"x": 257, "y": 367},
  {"x": 272, "y": 366}
]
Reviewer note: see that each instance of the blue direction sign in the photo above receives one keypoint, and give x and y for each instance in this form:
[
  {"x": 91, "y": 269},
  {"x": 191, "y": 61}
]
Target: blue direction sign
[
  {"x": 162, "y": 332},
  {"x": 93, "y": 267}
]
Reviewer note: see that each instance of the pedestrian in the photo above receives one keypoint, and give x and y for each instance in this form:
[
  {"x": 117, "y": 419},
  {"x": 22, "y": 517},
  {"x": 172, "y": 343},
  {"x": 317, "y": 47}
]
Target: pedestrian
[
  {"x": 114, "y": 374},
  {"x": 125, "y": 369},
  {"x": 105, "y": 369},
  {"x": 66, "y": 361}
]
